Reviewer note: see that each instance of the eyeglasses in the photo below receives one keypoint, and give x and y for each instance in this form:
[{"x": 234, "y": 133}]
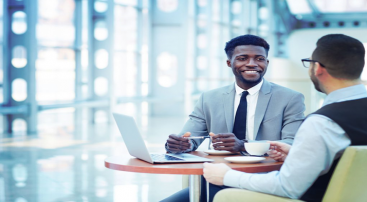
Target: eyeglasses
[{"x": 307, "y": 62}]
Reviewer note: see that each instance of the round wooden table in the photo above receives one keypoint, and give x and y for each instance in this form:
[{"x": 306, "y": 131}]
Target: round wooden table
[{"x": 194, "y": 170}]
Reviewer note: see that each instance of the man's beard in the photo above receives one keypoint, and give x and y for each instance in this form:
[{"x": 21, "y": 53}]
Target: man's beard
[
  {"x": 315, "y": 81},
  {"x": 249, "y": 81}
]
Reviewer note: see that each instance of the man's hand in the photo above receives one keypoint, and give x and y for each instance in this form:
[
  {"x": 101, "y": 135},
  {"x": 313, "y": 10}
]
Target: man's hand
[
  {"x": 214, "y": 173},
  {"x": 227, "y": 142},
  {"x": 278, "y": 150},
  {"x": 177, "y": 143}
]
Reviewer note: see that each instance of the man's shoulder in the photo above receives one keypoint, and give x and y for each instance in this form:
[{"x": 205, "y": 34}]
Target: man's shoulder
[{"x": 220, "y": 90}]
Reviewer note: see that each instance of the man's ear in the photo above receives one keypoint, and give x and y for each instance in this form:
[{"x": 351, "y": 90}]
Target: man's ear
[
  {"x": 319, "y": 70},
  {"x": 229, "y": 63}
]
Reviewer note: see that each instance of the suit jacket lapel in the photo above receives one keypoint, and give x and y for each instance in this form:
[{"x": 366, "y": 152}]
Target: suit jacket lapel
[
  {"x": 228, "y": 105},
  {"x": 262, "y": 105}
]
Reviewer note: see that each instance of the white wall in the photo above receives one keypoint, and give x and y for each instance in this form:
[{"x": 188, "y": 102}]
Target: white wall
[{"x": 290, "y": 72}]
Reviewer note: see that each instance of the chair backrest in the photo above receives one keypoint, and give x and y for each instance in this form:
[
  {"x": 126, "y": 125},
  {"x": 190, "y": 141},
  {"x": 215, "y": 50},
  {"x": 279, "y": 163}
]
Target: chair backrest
[{"x": 349, "y": 180}]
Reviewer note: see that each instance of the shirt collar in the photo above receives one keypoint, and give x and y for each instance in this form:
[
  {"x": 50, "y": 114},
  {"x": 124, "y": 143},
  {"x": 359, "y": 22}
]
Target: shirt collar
[
  {"x": 344, "y": 94},
  {"x": 251, "y": 91}
]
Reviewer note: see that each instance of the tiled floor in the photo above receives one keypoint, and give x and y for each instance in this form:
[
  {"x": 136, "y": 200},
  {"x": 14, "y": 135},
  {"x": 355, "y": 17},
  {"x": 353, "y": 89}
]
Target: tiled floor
[{"x": 66, "y": 163}]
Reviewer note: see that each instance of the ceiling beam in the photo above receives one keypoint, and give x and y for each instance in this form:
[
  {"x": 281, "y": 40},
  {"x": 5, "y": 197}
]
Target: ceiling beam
[
  {"x": 360, "y": 16},
  {"x": 287, "y": 18},
  {"x": 315, "y": 11}
]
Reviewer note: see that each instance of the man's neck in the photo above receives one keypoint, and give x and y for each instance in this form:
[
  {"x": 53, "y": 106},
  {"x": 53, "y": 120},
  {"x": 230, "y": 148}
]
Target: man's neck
[
  {"x": 246, "y": 86},
  {"x": 337, "y": 84}
]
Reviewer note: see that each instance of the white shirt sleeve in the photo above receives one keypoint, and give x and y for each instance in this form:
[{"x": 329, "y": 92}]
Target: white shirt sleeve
[{"x": 317, "y": 143}]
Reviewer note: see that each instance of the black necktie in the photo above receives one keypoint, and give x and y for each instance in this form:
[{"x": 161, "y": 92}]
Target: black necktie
[{"x": 239, "y": 127}]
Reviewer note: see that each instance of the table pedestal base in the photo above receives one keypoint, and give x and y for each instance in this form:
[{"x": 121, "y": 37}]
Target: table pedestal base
[{"x": 194, "y": 187}]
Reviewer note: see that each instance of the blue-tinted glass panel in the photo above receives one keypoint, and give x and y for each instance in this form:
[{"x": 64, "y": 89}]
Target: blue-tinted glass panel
[
  {"x": 341, "y": 6},
  {"x": 101, "y": 58},
  {"x": 216, "y": 10},
  {"x": 100, "y": 6},
  {"x": 125, "y": 28},
  {"x": 55, "y": 67},
  {"x": 125, "y": 74},
  {"x": 299, "y": 6},
  {"x": 167, "y": 69},
  {"x": 55, "y": 25},
  {"x": 101, "y": 86},
  {"x": 84, "y": 61},
  {"x": 55, "y": 75},
  {"x": 236, "y": 7},
  {"x": 100, "y": 30},
  {"x": 85, "y": 23},
  {"x": 19, "y": 22},
  {"x": 19, "y": 90},
  {"x": 19, "y": 57},
  {"x": 169, "y": 5},
  {"x": 127, "y": 2}
]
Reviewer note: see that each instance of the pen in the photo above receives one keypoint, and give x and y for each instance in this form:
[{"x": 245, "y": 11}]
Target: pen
[{"x": 198, "y": 137}]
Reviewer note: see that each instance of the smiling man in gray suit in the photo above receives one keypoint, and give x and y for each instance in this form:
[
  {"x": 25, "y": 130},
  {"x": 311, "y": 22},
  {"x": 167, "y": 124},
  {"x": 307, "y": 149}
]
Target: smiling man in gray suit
[
  {"x": 250, "y": 109},
  {"x": 273, "y": 112}
]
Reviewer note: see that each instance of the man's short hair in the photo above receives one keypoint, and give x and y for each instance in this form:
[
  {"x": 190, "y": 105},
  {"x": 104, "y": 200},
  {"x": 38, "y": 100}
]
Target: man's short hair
[
  {"x": 247, "y": 39},
  {"x": 342, "y": 56}
]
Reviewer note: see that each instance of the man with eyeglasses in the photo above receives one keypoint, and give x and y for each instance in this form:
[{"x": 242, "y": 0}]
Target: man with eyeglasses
[{"x": 335, "y": 69}]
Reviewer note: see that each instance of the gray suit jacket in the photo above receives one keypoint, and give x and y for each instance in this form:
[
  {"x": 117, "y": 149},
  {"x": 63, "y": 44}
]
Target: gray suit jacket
[{"x": 278, "y": 115}]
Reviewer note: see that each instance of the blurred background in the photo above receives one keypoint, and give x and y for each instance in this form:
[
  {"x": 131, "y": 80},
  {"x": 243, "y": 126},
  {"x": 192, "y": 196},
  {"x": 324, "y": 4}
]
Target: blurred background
[{"x": 67, "y": 64}]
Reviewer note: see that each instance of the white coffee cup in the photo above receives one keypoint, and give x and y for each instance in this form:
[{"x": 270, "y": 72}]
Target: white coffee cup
[{"x": 257, "y": 148}]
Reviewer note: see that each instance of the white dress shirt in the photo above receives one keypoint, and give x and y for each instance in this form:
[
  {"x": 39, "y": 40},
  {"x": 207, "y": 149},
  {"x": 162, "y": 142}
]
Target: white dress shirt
[
  {"x": 251, "y": 107},
  {"x": 317, "y": 143}
]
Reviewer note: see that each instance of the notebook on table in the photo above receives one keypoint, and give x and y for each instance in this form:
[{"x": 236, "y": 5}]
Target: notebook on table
[{"x": 137, "y": 148}]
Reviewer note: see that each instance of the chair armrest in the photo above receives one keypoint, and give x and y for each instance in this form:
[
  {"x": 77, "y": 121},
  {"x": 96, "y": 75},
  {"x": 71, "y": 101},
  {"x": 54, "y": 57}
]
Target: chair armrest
[{"x": 234, "y": 195}]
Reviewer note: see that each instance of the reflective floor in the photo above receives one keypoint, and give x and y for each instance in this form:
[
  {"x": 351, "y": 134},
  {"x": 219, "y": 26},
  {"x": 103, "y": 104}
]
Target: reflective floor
[{"x": 66, "y": 163}]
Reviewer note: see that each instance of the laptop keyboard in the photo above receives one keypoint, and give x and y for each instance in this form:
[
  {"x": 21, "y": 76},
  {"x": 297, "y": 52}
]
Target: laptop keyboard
[{"x": 164, "y": 157}]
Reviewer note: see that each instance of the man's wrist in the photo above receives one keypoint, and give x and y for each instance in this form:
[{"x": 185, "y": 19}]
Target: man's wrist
[{"x": 243, "y": 144}]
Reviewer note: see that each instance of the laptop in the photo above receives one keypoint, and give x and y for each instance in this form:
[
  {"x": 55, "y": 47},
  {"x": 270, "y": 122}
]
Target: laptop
[{"x": 137, "y": 148}]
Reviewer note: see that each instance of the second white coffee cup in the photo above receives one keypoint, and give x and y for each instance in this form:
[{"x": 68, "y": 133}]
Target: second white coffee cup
[{"x": 257, "y": 148}]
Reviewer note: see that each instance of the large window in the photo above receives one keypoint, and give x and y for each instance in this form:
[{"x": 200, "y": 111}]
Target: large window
[
  {"x": 126, "y": 50},
  {"x": 55, "y": 64},
  {"x": 131, "y": 31},
  {"x": 327, "y": 6},
  {"x": 212, "y": 31}
]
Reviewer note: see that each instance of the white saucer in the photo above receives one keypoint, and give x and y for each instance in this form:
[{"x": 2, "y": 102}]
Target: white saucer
[
  {"x": 244, "y": 159},
  {"x": 218, "y": 152}
]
